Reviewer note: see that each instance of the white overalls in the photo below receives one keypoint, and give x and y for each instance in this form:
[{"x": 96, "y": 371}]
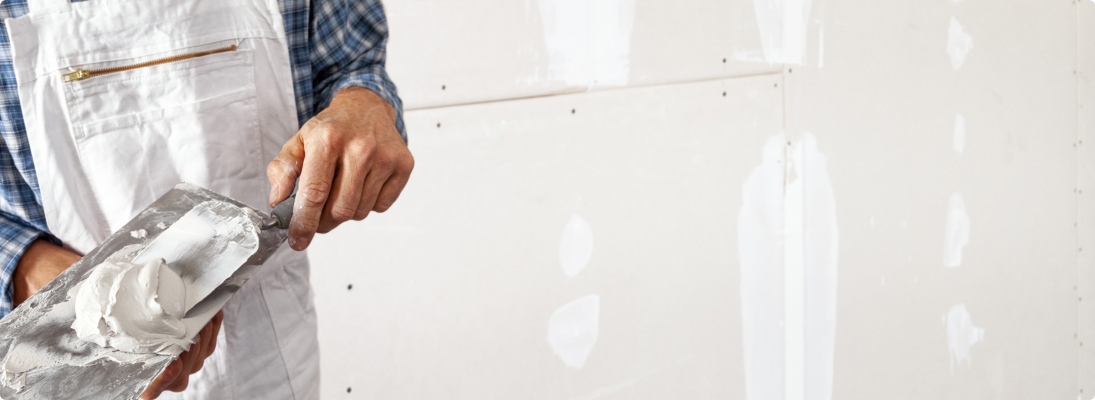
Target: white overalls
[{"x": 107, "y": 145}]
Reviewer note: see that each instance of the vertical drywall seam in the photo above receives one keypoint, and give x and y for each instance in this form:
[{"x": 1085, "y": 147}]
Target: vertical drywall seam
[
  {"x": 1085, "y": 214},
  {"x": 1079, "y": 208},
  {"x": 794, "y": 274}
]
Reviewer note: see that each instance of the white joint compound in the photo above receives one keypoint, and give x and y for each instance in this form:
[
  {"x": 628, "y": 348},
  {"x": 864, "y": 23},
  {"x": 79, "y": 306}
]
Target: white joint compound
[{"x": 136, "y": 308}]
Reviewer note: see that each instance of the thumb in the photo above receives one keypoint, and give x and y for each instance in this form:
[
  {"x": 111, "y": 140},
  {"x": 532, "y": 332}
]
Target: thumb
[{"x": 284, "y": 169}]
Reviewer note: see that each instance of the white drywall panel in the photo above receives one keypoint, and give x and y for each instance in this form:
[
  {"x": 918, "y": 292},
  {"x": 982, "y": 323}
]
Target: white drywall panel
[
  {"x": 519, "y": 208},
  {"x": 1085, "y": 80},
  {"x": 949, "y": 130},
  {"x": 444, "y": 52}
]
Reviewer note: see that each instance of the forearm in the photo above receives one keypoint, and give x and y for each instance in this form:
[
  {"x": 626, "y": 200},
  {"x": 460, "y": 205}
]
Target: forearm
[{"x": 40, "y": 263}]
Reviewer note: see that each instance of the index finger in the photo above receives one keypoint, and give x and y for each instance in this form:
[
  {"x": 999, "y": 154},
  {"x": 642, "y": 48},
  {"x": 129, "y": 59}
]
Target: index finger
[{"x": 317, "y": 173}]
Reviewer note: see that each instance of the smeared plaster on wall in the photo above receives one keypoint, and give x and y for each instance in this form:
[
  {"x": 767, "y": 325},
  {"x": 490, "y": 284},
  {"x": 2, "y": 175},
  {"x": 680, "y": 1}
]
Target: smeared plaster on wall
[
  {"x": 822, "y": 242},
  {"x": 575, "y": 246},
  {"x": 760, "y": 255},
  {"x": 588, "y": 41},
  {"x": 782, "y": 25},
  {"x": 961, "y": 334},
  {"x": 958, "y": 231},
  {"x": 820, "y": 45},
  {"x": 959, "y": 44},
  {"x": 794, "y": 275},
  {"x": 572, "y": 330},
  {"x": 767, "y": 246},
  {"x": 959, "y": 133}
]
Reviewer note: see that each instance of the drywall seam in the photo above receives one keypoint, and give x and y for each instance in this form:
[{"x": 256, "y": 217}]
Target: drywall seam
[
  {"x": 787, "y": 247},
  {"x": 794, "y": 276},
  {"x": 580, "y": 90}
]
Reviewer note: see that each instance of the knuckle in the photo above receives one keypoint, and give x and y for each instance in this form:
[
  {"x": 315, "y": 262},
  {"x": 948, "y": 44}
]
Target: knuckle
[
  {"x": 341, "y": 213},
  {"x": 314, "y": 194},
  {"x": 406, "y": 164}
]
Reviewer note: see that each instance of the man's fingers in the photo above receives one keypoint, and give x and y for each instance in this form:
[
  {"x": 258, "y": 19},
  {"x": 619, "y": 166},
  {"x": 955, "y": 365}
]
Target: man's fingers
[
  {"x": 183, "y": 379},
  {"x": 373, "y": 183},
  {"x": 199, "y": 348},
  {"x": 216, "y": 322},
  {"x": 283, "y": 171},
  {"x": 161, "y": 382},
  {"x": 346, "y": 193},
  {"x": 393, "y": 187},
  {"x": 314, "y": 188}
]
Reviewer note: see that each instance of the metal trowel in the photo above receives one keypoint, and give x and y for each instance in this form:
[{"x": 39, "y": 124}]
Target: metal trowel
[{"x": 70, "y": 368}]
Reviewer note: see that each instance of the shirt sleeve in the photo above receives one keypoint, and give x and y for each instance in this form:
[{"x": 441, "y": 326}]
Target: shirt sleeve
[
  {"x": 15, "y": 237},
  {"x": 348, "y": 49}
]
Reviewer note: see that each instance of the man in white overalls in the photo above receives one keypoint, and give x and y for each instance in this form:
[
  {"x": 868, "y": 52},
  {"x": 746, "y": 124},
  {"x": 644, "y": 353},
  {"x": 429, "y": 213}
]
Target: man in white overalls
[{"x": 123, "y": 99}]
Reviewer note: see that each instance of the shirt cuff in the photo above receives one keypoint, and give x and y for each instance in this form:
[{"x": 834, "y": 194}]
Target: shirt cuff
[
  {"x": 378, "y": 82},
  {"x": 15, "y": 237}
]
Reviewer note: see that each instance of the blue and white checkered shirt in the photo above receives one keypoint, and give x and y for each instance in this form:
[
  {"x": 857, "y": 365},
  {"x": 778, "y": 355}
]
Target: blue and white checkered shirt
[{"x": 333, "y": 44}]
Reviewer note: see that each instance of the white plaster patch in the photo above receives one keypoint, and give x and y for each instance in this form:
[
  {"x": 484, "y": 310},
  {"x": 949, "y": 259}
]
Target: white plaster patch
[
  {"x": 575, "y": 246},
  {"x": 822, "y": 241},
  {"x": 958, "y": 44},
  {"x": 760, "y": 255},
  {"x": 768, "y": 242},
  {"x": 958, "y": 231},
  {"x": 782, "y": 25},
  {"x": 588, "y": 41},
  {"x": 572, "y": 330},
  {"x": 961, "y": 334},
  {"x": 959, "y": 133}
]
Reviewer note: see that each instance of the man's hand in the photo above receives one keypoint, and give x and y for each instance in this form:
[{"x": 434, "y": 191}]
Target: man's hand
[
  {"x": 43, "y": 261},
  {"x": 176, "y": 377},
  {"x": 350, "y": 160}
]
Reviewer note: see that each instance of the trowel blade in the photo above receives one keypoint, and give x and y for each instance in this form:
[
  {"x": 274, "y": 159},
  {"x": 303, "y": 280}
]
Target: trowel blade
[{"x": 85, "y": 370}]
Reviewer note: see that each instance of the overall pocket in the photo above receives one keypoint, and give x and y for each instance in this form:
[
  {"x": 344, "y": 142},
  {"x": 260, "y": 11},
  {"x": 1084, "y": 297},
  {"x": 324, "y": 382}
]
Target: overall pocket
[{"x": 140, "y": 131}]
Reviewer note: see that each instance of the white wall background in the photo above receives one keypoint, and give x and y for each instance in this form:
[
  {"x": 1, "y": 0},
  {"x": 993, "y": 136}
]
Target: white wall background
[{"x": 713, "y": 199}]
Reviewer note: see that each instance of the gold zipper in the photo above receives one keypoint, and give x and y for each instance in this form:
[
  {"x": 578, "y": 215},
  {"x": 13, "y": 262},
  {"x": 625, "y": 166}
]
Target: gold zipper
[{"x": 81, "y": 74}]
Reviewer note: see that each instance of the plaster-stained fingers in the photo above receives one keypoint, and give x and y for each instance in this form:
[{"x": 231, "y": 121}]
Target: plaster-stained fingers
[
  {"x": 348, "y": 185},
  {"x": 314, "y": 187},
  {"x": 283, "y": 171}
]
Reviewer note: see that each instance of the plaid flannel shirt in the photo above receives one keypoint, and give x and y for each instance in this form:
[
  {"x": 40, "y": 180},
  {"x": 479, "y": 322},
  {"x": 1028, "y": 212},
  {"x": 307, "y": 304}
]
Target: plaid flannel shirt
[{"x": 333, "y": 44}]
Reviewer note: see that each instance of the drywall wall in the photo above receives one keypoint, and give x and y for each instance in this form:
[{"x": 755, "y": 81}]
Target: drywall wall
[
  {"x": 1085, "y": 143},
  {"x": 445, "y": 52},
  {"x": 956, "y": 196},
  {"x": 606, "y": 218},
  {"x": 864, "y": 200}
]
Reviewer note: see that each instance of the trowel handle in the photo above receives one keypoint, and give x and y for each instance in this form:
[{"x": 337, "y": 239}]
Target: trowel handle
[{"x": 283, "y": 212}]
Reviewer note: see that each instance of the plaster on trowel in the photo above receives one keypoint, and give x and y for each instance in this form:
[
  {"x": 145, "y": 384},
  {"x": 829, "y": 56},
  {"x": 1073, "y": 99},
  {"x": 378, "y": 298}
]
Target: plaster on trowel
[{"x": 44, "y": 358}]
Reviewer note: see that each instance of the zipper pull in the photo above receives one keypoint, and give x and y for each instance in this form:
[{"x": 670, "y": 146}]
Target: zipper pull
[{"x": 79, "y": 74}]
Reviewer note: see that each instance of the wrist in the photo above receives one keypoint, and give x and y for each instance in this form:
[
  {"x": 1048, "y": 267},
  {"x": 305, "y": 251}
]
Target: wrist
[{"x": 360, "y": 97}]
